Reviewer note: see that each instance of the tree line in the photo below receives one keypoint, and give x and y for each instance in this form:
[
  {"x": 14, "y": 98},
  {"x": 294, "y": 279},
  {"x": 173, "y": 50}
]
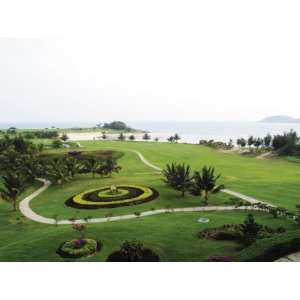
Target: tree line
[{"x": 284, "y": 144}]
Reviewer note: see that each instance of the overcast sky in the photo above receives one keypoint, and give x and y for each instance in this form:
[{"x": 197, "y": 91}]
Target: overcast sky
[{"x": 154, "y": 60}]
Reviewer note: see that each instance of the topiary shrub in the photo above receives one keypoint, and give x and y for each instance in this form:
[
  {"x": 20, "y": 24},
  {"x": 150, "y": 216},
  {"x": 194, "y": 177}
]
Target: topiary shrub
[
  {"x": 124, "y": 195},
  {"x": 133, "y": 251},
  {"x": 78, "y": 248}
]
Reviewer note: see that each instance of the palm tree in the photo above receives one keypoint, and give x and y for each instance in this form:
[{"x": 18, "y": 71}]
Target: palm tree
[
  {"x": 91, "y": 165},
  {"x": 73, "y": 166},
  {"x": 178, "y": 177},
  {"x": 13, "y": 185},
  {"x": 56, "y": 170},
  {"x": 31, "y": 168},
  {"x": 108, "y": 167},
  {"x": 205, "y": 182}
]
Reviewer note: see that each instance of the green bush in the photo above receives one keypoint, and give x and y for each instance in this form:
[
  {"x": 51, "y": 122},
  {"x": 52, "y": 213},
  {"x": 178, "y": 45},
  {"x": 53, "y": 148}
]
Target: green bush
[{"x": 271, "y": 249}]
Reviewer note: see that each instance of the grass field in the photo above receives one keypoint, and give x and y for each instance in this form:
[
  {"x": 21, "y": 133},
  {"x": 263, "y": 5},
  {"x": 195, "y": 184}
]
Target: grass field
[{"x": 173, "y": 236}]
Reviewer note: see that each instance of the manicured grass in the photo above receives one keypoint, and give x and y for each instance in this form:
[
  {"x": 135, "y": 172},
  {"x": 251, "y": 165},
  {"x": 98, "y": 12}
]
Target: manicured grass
[
  {"x": 172, "y": 236},
  {"x": 133, "y": 172},
  {"x": 274, "y": 180}
]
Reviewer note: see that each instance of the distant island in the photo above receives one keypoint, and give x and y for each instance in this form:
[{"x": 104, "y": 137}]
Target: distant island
[{"x": 280, "y": 119}]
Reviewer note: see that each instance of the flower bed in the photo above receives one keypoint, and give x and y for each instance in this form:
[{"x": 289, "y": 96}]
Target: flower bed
[
  {"x": 79, "y": 248},
  {"x": 233, "y": 232},
  {"x": 105, "y": 197}
]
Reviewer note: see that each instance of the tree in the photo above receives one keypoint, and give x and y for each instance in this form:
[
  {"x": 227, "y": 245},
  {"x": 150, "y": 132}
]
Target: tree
[
  {"x": 132, "y": 137},
  {"x": 57, "y": 143},
  {"x": 11, "y": 130},
  {"x": 250, "y": 141},
  {"x": 73, "y": 166},
  {"x": 257, "y": 142},
  {"x": 104, "y": 136},
  {"x": 267, "y": 140},
  {"x": 121, "y": 137},
  {"x": 178, "y": 177},
  {"x": 170, "y": 139},
  {"x": 250, "y": 230},
  {"x": 64, "y": 137},
  {"x": 156, "y": 139},
  {"x": 91, "y": 165},
  {"x": 176, "y": 137},
  {"x": 241, "y": 142},
  {"x": 115, "y": 125},
  {"x": 286, "y": 144},
  {"x": 146, "y": 137},
  {"x": 13, "y": 185},
  {"x": 108, "y": 167},
  {"x": 205, "y": 182},
  {"x": 56, "y": 170},
  {"x": 31, "y": 168}
]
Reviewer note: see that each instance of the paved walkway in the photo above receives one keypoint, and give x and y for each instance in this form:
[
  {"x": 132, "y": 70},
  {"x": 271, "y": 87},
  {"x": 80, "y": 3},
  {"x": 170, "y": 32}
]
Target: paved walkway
[
  {"x": 29, "y": 213},
  {"x": 295, "y": 257}
]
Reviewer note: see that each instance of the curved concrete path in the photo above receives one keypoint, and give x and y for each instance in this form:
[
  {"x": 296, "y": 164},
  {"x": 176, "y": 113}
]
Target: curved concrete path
[{"x": 30, "y": 214}]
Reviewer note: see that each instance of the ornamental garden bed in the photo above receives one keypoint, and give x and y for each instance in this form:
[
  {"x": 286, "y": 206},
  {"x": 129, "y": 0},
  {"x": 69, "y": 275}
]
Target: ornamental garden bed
[
  {"x": 79, "y": 248},
  {"x": 113, "y": 196},
  {"x": 232, "y": 232}
]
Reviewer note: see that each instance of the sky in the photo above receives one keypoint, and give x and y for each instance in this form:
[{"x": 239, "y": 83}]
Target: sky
[{"x": 149, "y": 60}]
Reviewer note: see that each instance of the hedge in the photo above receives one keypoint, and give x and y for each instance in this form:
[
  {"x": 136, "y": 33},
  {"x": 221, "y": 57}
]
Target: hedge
[
  {"x": 91, "y": 200},
  {"x": 271, "y": 249}
]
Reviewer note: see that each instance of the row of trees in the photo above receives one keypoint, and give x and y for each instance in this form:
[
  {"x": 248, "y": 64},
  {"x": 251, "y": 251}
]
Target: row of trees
[
  {"x": 217, "y": 144},
  {"x": 200, "y": 183},
  {"x": 146, "y": 137},
  {"x": 285, "y": 144},
  {"x": 41, "y": 134}
]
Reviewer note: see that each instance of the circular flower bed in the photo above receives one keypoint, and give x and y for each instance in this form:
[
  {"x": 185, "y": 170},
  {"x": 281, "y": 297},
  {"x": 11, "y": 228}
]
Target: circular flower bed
[
  {"x": 79, "y": 248},
  {"x": 114, "y": 196}
]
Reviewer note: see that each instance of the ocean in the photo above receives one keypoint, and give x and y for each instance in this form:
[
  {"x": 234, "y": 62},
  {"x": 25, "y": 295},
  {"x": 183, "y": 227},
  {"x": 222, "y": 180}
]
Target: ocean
[{"x": 190, "y": 132}]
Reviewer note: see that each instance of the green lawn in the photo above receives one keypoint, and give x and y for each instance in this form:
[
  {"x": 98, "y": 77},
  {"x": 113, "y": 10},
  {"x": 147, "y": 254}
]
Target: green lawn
[
  {"x": 173, "y": 236},
  {"x": 274, "y": 180}
]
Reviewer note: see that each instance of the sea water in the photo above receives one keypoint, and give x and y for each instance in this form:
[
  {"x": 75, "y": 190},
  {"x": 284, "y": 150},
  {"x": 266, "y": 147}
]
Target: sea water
[{"x": 190, "y": 132}]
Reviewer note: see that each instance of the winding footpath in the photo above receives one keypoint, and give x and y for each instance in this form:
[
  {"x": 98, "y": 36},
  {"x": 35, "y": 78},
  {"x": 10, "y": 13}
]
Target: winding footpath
[{"x": 30, "y": 214}]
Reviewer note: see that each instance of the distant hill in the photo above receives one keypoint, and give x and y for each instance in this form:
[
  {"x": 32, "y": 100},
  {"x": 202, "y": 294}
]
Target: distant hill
[{"x": 280, "y": 119}]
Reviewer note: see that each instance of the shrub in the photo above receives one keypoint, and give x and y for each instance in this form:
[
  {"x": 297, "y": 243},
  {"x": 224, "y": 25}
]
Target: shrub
[
  {"x": 250, "y": 230},
  {"x": 220, "y": 259},
  {"x": 271, "y": 249},
  {"x": 133, "y": 251}
]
